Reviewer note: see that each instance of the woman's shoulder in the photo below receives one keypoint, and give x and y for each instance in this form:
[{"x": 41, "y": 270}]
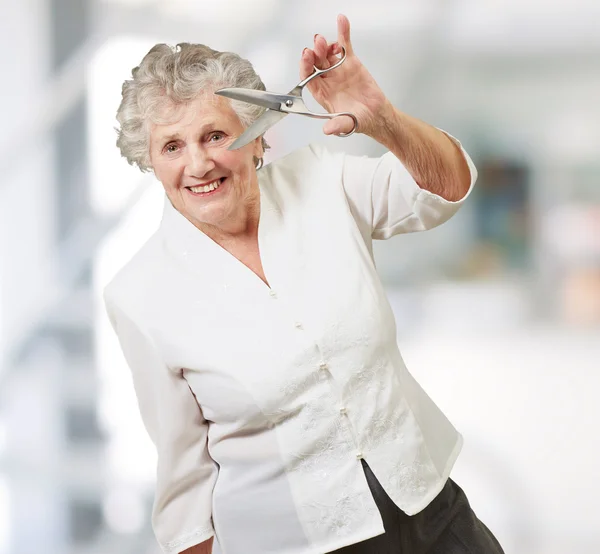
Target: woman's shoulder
[
  {"x": 132, "y": 283},
  {"x": 313, "y": 152},
  {"x": 310, "y": 163}
]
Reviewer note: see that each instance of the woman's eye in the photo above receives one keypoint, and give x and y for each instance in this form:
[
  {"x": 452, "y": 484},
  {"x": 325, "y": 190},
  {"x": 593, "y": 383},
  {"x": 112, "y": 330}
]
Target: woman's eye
[
  {"x": 170, "y": 148},
  {"x": 217, "y": 136}
]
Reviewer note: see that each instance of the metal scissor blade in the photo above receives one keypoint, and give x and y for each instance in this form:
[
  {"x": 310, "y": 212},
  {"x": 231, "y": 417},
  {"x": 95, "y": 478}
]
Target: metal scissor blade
[
  {"x": 259, "y": 97},
  {"x": 261, "y": 125}
]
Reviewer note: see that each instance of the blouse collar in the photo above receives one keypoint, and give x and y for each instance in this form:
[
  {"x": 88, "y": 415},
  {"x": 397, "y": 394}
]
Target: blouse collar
[{"x": 192, "y": 245}]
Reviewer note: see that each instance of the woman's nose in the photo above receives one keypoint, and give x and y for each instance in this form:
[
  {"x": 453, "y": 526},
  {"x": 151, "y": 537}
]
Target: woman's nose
[{"x": 199, "y": 163}]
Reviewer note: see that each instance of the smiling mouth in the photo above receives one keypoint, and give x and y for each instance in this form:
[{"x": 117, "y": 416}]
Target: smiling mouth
[{"x": 206, "y": 189}]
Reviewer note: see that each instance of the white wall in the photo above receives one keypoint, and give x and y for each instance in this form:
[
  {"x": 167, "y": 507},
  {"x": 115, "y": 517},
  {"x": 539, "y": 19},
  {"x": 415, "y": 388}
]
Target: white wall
[
  {"x": 27, "y": 214},
  {"x": 524, "y": 396}
]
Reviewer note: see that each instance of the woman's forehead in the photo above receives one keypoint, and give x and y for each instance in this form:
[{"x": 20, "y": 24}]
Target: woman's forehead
[{"x": 204, "y": 111}]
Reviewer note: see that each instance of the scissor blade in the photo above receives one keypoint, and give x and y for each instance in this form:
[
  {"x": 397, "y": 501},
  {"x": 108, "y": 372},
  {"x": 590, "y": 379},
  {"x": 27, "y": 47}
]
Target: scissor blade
[
  {"x": 261, "y": 125},
  {"x": 252, "y": 96}
]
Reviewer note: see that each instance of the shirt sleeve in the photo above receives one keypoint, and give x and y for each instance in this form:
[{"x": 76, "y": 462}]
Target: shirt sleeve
[
  {"x": 385, "y": 200},
  {"x": 182, "y": 509}
]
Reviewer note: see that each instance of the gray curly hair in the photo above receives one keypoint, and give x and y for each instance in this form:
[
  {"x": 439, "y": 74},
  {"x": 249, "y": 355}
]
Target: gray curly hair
[{"x": 171, "y": 76}]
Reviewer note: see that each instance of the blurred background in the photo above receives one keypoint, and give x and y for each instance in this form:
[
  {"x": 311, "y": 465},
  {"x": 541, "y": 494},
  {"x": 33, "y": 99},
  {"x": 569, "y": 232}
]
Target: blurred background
[{"x": 498, "y": 310}]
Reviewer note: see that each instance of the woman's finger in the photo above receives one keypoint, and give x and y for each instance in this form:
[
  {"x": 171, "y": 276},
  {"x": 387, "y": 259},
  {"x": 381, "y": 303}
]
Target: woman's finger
[
  {"x": 336, "y": 48},
  {"x": 321, "y": 52},
  {"x": 343, "y": 25},
  {"x": 307, "y": 61},
  {"x": 332, "y": 53}
]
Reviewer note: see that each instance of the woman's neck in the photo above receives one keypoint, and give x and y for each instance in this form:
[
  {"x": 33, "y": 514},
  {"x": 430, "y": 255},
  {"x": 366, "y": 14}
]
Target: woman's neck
[{"x": 242, "y": 227}]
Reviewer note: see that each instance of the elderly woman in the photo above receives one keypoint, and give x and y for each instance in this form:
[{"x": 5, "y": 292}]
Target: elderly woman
[{"x": 261, "y": 343}]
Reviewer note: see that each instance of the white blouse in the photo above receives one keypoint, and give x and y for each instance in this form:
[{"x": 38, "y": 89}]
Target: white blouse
[{"x": 262, "y": 401}]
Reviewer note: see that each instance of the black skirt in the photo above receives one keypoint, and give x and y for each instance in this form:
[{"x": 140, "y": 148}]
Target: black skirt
[{"x": 447, "y": 525}]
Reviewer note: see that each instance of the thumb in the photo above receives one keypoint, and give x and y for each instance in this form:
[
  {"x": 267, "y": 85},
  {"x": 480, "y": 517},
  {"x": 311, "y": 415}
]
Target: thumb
[{"x": 338, "y": 125}]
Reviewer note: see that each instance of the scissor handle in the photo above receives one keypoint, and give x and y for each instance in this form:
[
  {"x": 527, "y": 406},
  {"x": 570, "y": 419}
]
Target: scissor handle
[
  {"x": 353, "y": 128},
  {"x": 318, "y": 71},
  {"x": 301, "y": 109}
]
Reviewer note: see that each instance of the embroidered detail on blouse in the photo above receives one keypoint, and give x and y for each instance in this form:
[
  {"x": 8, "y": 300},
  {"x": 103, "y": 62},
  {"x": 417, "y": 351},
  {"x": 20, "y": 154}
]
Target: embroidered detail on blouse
[
  {"x": 352, "y": 335},
  {"x": 384, "y": 428},
  {"x": 173, "y": 546},
  {"x": 298, "y": 407},
  {"x": 336, "y": 517},
  {"x": 325, "y": 455},
  {"x": 313, "y": 414},
  {"x": 404, "y": 477},
  {"x": 367, "y": 377},
  {"x": 295, "y": 387},
  {"x": 343, "y": 338},
  {"x": 339, "y": 516}
]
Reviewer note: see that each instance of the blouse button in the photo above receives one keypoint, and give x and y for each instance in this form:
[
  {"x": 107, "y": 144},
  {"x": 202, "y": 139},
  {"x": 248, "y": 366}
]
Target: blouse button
[
  {"x": 343, "y": 410},
  {"x": 298, "y": 325},
  {"x": 322, "y": 366},
  {"x": 273, "y": 293},
  {"x": 359, "y": 455}
]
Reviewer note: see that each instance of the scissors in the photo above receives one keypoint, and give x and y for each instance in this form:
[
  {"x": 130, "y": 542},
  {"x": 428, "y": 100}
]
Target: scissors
[{"x": 280, "y": 105}]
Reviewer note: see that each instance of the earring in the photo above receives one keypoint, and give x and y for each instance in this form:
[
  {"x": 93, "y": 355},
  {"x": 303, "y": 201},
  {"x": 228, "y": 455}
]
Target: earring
[{"x": 258, "y": 163}]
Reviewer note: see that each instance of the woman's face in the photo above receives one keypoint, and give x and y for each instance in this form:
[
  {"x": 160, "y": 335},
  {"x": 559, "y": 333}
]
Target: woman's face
[{"x": 192, "y": 152}]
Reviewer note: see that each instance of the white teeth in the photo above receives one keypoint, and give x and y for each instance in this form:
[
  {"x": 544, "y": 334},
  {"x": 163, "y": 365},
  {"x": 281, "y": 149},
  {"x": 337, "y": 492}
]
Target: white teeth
[{"x": 206, "y": 188}]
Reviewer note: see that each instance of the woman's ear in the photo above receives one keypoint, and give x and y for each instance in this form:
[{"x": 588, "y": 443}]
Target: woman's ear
[
  {"x": 148, "y": 162},
  {"x": 258, "y": 148}
]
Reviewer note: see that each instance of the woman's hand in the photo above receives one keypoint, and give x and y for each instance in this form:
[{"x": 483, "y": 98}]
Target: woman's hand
[
  {"x": 434, "y": 161},
  {"x": 348, "y": 88}
]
